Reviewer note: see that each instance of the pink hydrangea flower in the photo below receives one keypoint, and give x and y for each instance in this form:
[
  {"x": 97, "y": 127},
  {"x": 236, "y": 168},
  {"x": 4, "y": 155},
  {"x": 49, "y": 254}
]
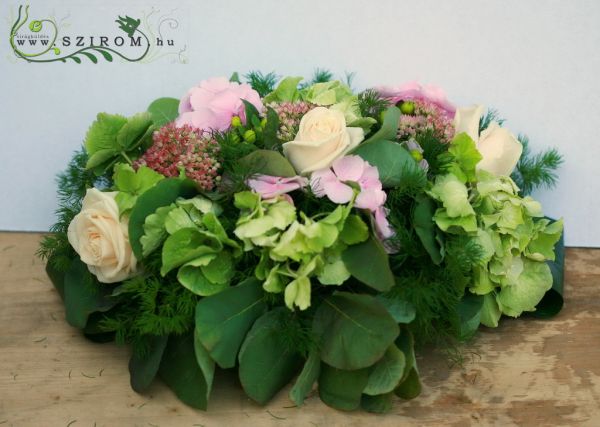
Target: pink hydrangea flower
[
  {"x": 336, "y": 183},
  {"x": 212, "y": 104},
  {"x": 414, "y": 91},
  {"x": 269, "y": 186}
]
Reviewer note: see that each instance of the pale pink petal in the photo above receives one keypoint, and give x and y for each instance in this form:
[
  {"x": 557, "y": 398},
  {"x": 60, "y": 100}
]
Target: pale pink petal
[
  {"x": 338, "y": 192},
  {"x": 319, "y": 178},
  {"x": 370, "y": 199},
  {"x": 349, "y": 168},
  {"x": 382, "y": 225},
  {"x": 370, "y": 178}
]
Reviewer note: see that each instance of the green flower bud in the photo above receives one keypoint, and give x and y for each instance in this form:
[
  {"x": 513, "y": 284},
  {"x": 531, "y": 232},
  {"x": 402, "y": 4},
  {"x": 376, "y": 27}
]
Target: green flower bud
[
  {"x": 416, "y": 154},
  {"x": 407, "y": 107},
  {"x": 236, "y": 122},
  {"x": 263, "y": 122},
  {"x": 250, "y": 136},
  {"x": 235, "y": 137}
]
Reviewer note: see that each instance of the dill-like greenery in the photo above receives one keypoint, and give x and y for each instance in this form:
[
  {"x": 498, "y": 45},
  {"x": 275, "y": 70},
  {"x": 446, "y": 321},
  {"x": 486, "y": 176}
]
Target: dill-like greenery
[
  {"x": 536, "y": 170},
  {"x": 150, "y": 305},
  {"x": 321, "y": 75},
  {"x": 262, "y": 83},
  {"x": 433, "y": 148},
  {"x": 372, "y": 104},
  {"x": 490, "y": 116}
]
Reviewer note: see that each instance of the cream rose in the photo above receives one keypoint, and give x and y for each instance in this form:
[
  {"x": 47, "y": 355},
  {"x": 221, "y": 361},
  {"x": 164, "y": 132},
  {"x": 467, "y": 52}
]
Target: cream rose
[
  {"x": 498, "y": 147},
  {"x": 102, "y": 239},
  {"x": 321, "y": 138}
]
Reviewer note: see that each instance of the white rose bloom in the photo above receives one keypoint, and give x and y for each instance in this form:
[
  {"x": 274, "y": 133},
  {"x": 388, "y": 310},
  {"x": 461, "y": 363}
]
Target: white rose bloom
[
  {"x": 101, "y": 238},
  {"x": 498, "y": 147},
  {"x": 321, "y": 138}
]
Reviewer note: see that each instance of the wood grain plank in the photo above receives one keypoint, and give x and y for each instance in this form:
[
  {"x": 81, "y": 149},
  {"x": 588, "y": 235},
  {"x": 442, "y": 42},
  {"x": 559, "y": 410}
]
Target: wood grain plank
[{"x": 527, "y": 372}]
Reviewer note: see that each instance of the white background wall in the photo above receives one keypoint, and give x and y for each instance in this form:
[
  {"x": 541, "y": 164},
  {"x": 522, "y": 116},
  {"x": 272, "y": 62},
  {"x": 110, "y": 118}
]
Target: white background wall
[{"x": 537, "y": 62}]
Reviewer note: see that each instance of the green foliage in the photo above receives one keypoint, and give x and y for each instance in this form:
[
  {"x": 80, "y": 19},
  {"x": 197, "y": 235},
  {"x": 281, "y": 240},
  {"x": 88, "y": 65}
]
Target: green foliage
[
  {"x": 262, "y": 83},
  {"x": 372, "y": 104},
  {"x": 354, "y": 330},
  {"x": 223, "y": 319},
  {"x": 150, "y": 305},
  {"x": 342, "y": 389},
  {"x": 433, "y": 150},
  {"x": 143, "y": 367},
  {"x": 113, "y": 137},
  {"x": 267, "y": 363},
  {"x": 181, "y": 371},
  {"x": 309, "y": 374},
  {"x": 490, "y": 116},
  {"x": 163, "y": 111},
  {"x": 536, "y": 170},
  {"x": 393, "y": 162},
  {"x": 321, "y": 75},
  {"x": 368, "y": 262}
]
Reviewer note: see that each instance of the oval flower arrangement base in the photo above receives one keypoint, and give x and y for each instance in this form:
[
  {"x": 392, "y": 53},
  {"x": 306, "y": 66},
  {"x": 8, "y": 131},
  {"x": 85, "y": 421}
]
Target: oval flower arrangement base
[{"x": 300, "y": 232}]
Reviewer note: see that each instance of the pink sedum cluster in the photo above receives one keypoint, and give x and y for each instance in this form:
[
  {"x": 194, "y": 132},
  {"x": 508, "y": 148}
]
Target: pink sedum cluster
[
  {"x": 214, "y": 102},
  {"x": 290, "y": 114},
  {"x": 175, "y": 148},
  {"x": 427, "y": 117}
]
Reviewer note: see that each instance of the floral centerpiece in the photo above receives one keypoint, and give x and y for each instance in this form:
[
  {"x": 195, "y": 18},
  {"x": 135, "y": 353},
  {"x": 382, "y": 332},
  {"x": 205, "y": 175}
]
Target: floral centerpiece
[{"x": 301, "y": 232}]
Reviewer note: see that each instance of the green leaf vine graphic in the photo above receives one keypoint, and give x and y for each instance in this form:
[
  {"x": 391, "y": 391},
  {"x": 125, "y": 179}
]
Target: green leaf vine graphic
[{"x": 127, "y": 24}]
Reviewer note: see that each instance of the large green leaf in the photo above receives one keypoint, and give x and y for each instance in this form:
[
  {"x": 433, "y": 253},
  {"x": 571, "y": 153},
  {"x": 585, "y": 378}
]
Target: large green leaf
[
  {"x": 267, "y": 162},
  {"x": 267, "y": 360},
  {"x": 354, "y": 330},
  {"x": 131, "y": 134},
  {"x": 389, "y": 128},
  {"x": 342, "y": 389},
  {"x": 143, "y": 367},
  {"x": 386, "y": 373},
  {"x": 410, "y": 386},
  {"x": 552, "y": 302},
  {"x": 179, "y": 369},
  {"x": 271, "y": 140},
  {"x": 164, "y": 110},
  {"x": 368, "y": 262},
  {"x": 185, "y": 245},
  {"x": 469, "y": 311},
  {"x": 379, "y": 404},
  {"x": 84, "y": 295},
  {"x": 391, "y": 159},
  {"x": 223, "y": 319},
  {"x": 205, "y": 362},
  {"x": 56, "y": 277},
  {"x": 426, "y": 229},
  {"x": 306, "y": 379},
  {"x": 163, "y": 193},
  {"x": 402, "y": 311}
]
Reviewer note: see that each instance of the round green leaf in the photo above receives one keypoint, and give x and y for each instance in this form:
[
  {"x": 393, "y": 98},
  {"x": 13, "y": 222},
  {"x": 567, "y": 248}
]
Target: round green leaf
[
  {"x": 267, "y": 362},
  {"x": 387, "y": 372},
  {"x": 342, "y": 389},
  {"x": 164, "y": 110},
  {"x": 368, "y": 262},
  {"x": 268, "y": 162},
  {"x": 354, "y": 330},
  {"x": 223, "y": 319}
]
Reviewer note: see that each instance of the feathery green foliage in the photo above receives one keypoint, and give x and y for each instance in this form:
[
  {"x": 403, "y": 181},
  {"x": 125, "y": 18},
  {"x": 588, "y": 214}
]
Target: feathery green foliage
[
  {"x": 150, "y": 306},
  {"x": 262, "y": 83},
  {"x": 321, "y": 75},
  {"x": 372, "y": 104},
  {"x": 432, "y": 150},
  {"x": 490, "y": 116},
  {"x": 536, "y": 170}
]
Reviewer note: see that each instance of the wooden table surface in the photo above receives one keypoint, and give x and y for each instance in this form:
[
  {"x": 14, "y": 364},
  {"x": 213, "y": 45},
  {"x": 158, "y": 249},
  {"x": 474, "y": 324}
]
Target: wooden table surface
[{"x": 526, "y": 372}]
